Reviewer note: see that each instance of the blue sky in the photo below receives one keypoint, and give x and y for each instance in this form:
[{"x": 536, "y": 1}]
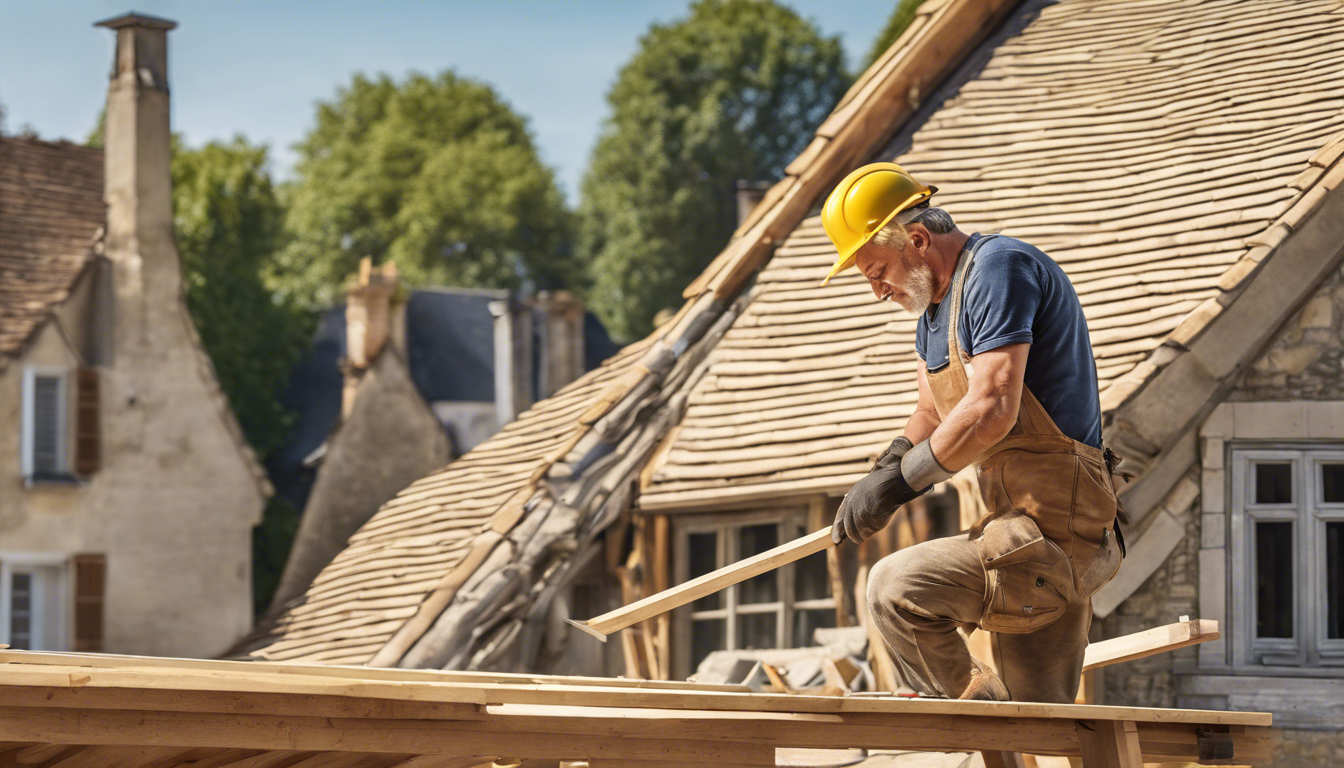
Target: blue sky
[{"x": 257, "y": 68}]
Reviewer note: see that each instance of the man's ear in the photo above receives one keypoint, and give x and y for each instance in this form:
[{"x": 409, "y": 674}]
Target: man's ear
[{"x": 919, "y": 237}]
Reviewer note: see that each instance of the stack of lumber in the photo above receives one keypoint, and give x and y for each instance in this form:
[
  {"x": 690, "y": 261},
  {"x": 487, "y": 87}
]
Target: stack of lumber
[{"x": 73, "y": 710}]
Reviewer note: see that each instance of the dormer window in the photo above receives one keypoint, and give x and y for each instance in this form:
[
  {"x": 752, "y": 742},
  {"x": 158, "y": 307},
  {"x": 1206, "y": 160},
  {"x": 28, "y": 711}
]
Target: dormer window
[{"x": 44, "y": 433}]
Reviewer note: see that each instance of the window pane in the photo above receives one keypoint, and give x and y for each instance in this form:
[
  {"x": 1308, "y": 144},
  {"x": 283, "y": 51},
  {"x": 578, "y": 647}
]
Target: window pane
[
  {"x": 46, "y": 434},
  {"x": 753, "y": 540},
  {"x": 1332, "y": 483},
  {"x": 811, "y": 578},
  {"x": 20, "y": 611},
  {"x": 807, "y": 622},
  {"x": 707, "y": 635},
  {"x": 756, "y": 631},
  {"x": 704, "y": 558},
  {"x": 1334, "y": 580},
  {"x": 1274, "y": 579},
  {"x": 1274, "y": 483}
]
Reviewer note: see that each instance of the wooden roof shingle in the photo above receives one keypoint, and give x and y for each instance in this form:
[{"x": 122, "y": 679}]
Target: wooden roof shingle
[{"x": 51, "y": 208}]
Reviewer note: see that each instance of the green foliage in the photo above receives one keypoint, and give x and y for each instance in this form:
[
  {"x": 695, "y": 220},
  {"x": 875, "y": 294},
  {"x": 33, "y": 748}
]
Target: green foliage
[
  {"x": 436, "y": 174},
  {"x": 228, "y": 224},
  {"x": 896, "y": 25},
  {"x": 732, "y": 92}
]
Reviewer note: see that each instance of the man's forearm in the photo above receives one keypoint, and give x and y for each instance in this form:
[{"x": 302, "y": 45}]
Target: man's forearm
[
  {"x": 971, "y": 428},
  {"x": 921, "y": 426}
]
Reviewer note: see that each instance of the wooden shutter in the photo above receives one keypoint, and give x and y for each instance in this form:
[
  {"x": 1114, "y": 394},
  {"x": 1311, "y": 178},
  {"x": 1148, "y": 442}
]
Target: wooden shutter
[
  {"x": 88, "y": 432},
  {"x": 90, "y": 585}
]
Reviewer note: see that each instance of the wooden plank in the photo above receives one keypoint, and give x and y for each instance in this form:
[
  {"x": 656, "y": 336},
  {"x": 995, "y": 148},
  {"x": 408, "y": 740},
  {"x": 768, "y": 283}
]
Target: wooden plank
[
  {"x": 1149, "y": 643},
  {"x": 707, "y": 584},
  {"x": 131, "y": 683},
  {"x": 40, "y": 659}
]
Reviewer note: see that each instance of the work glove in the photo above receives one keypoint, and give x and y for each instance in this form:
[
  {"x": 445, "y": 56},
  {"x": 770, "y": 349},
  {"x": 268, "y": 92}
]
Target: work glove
[{"x": 872, "y": 501}]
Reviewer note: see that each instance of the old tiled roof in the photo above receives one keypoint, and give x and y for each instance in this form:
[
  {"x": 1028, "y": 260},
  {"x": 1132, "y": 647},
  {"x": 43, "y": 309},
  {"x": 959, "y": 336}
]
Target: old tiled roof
[
  {"x": 1159, "y": 150},
  {"x": 1153, "y": 149},
  {"x": 373, "y": 587},
  {"x": 51, "y": 206}
]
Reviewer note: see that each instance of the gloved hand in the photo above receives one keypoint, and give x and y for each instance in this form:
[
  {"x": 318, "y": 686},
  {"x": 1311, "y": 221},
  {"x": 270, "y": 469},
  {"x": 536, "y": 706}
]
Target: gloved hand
[
  {"x": 872, "y": 501},
  {"x": 898, "y": 448}
]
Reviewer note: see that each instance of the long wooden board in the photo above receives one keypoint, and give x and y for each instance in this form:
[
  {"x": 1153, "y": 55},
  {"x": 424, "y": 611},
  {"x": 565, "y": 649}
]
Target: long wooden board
[
  {"x": 708, "y": 584},
  {"x": 1150, "y": 642}
]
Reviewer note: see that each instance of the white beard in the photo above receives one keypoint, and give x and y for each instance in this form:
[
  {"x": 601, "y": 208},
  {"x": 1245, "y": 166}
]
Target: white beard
[{"x": 918, "y": 289}]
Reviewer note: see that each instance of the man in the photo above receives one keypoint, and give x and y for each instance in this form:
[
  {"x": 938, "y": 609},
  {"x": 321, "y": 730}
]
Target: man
[{"x": 1006, "y": 381}]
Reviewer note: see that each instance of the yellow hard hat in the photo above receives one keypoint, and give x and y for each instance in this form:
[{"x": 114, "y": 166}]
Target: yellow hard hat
[{"x": 864, "y": 203}]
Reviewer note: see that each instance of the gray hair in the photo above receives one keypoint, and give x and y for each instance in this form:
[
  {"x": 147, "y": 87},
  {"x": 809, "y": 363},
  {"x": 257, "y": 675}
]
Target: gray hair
[{"x": 936, "y": 220}]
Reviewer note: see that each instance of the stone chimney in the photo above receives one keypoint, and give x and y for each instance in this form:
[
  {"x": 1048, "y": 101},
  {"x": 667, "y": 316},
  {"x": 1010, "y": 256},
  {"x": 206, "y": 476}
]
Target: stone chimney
[
  {"x": 560, "y": 336},
  {"x": 370, "y": 323},
  {"x": 138, "y": 181},
  {"x": 514, "y": 392},
  {"x": 749, "y": 195}
]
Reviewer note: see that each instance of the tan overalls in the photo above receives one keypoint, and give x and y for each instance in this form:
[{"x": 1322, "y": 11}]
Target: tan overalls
[{"x": 1026, "y": 571}]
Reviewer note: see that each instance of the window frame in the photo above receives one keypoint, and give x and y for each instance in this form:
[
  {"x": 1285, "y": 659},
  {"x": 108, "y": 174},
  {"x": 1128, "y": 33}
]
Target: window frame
[
  {"x": 51, "y": 572},
  {"x": 785, "y": 609},
  {"x": 1309, "y": 514},
  {"x": 27, "y": 432}
]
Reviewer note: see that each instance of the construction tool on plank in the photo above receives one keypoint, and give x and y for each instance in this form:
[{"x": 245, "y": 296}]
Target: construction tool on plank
[{"x": 708, "y": 584}]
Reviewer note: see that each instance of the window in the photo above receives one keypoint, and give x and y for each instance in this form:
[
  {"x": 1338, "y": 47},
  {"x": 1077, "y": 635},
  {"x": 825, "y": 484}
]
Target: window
[
  {"x": 43, "y": 453},
  {"x": 1287, "y": 537},
  {"x": 33, "y": 604},
  {"x": 780, "y": 609}
]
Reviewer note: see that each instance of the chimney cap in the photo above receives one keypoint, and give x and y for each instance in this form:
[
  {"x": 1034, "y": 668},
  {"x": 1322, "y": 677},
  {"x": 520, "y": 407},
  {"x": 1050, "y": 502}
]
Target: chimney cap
[{"x": 134, "y": 19}]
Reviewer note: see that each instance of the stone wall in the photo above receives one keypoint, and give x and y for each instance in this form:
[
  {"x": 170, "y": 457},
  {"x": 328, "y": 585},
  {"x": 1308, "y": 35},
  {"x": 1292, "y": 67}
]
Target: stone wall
[
  {"x": 1303, "y": 361},
  {"x": 1306, "y": 357}
]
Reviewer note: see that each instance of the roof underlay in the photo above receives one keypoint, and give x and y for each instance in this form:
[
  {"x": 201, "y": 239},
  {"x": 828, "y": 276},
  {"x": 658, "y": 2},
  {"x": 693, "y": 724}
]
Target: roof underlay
[{"x": 1152, "y": 148}]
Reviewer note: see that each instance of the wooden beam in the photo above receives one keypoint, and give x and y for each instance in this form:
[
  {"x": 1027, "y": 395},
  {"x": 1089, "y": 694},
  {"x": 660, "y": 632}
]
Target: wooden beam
[
  {"x": 129, "y": 685},
  {"x": 1109, "y": 744},
  {"x": 1149, "y": 643},
  {"x": 38, "y": 659},
  {"x": 707, "y": 584}
]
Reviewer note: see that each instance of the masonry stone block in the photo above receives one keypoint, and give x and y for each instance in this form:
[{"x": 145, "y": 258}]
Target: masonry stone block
[
  {"x": 1213, "y": 603},
  {"x": 1213, "y": 531},
  {"x": 1213, "y": 490}
]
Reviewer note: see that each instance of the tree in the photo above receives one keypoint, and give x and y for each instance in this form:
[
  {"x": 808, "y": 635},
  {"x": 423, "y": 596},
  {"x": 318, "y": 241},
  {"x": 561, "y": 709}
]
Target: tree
[
  {"x": 436, "y": 174},
  {"x": 228, "y": 226},
  {"x": 897, "y": 23},
  {"x": 732, "y": 92}
]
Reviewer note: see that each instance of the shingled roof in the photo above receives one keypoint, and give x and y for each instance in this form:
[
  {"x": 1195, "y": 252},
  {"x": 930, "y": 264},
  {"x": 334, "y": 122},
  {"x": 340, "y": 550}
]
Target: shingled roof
[
  {"x": 1164, "y": 152},
  {"x": 51, "y": 208}
]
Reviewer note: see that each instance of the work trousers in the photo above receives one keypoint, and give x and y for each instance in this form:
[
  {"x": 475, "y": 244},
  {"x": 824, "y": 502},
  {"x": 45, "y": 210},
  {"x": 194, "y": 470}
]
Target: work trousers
[{"x": 921, "y": 595}]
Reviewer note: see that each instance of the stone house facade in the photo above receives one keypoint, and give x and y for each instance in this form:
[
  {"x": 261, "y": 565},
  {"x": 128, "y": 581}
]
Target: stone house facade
[{"x": 127, "y": 493}]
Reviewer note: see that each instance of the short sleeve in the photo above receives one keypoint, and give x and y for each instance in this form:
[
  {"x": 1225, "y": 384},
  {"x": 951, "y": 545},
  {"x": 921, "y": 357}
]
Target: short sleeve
[
  {"x": 921, "y": 339},
  {"x": 1002, "y": 295}
]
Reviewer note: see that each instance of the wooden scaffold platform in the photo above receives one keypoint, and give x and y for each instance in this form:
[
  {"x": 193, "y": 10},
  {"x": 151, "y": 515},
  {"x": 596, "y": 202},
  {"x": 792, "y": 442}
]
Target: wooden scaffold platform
[{"x": 74, "y": 710}]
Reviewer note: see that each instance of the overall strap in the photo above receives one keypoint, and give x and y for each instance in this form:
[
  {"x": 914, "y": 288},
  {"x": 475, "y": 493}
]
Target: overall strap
[
  {"x": 1032, "y": 418},
  {"x": 954, "y": 316}
]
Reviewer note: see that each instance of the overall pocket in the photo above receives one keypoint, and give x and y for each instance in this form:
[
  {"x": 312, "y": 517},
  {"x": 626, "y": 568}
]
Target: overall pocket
[
  {"x": 1104, "y": 565},
  {"x": 1030, "y": 576}
]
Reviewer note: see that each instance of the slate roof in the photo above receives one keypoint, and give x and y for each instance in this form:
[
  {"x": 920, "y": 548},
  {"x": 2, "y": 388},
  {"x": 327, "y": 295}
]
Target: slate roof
[
  {"x": 1160, "y": 150},
  {"x": 51, "y": 207}
]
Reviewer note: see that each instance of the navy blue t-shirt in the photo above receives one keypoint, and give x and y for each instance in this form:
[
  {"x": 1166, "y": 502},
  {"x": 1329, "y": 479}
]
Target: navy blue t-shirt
[{"x": 1015, "y": 294}]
